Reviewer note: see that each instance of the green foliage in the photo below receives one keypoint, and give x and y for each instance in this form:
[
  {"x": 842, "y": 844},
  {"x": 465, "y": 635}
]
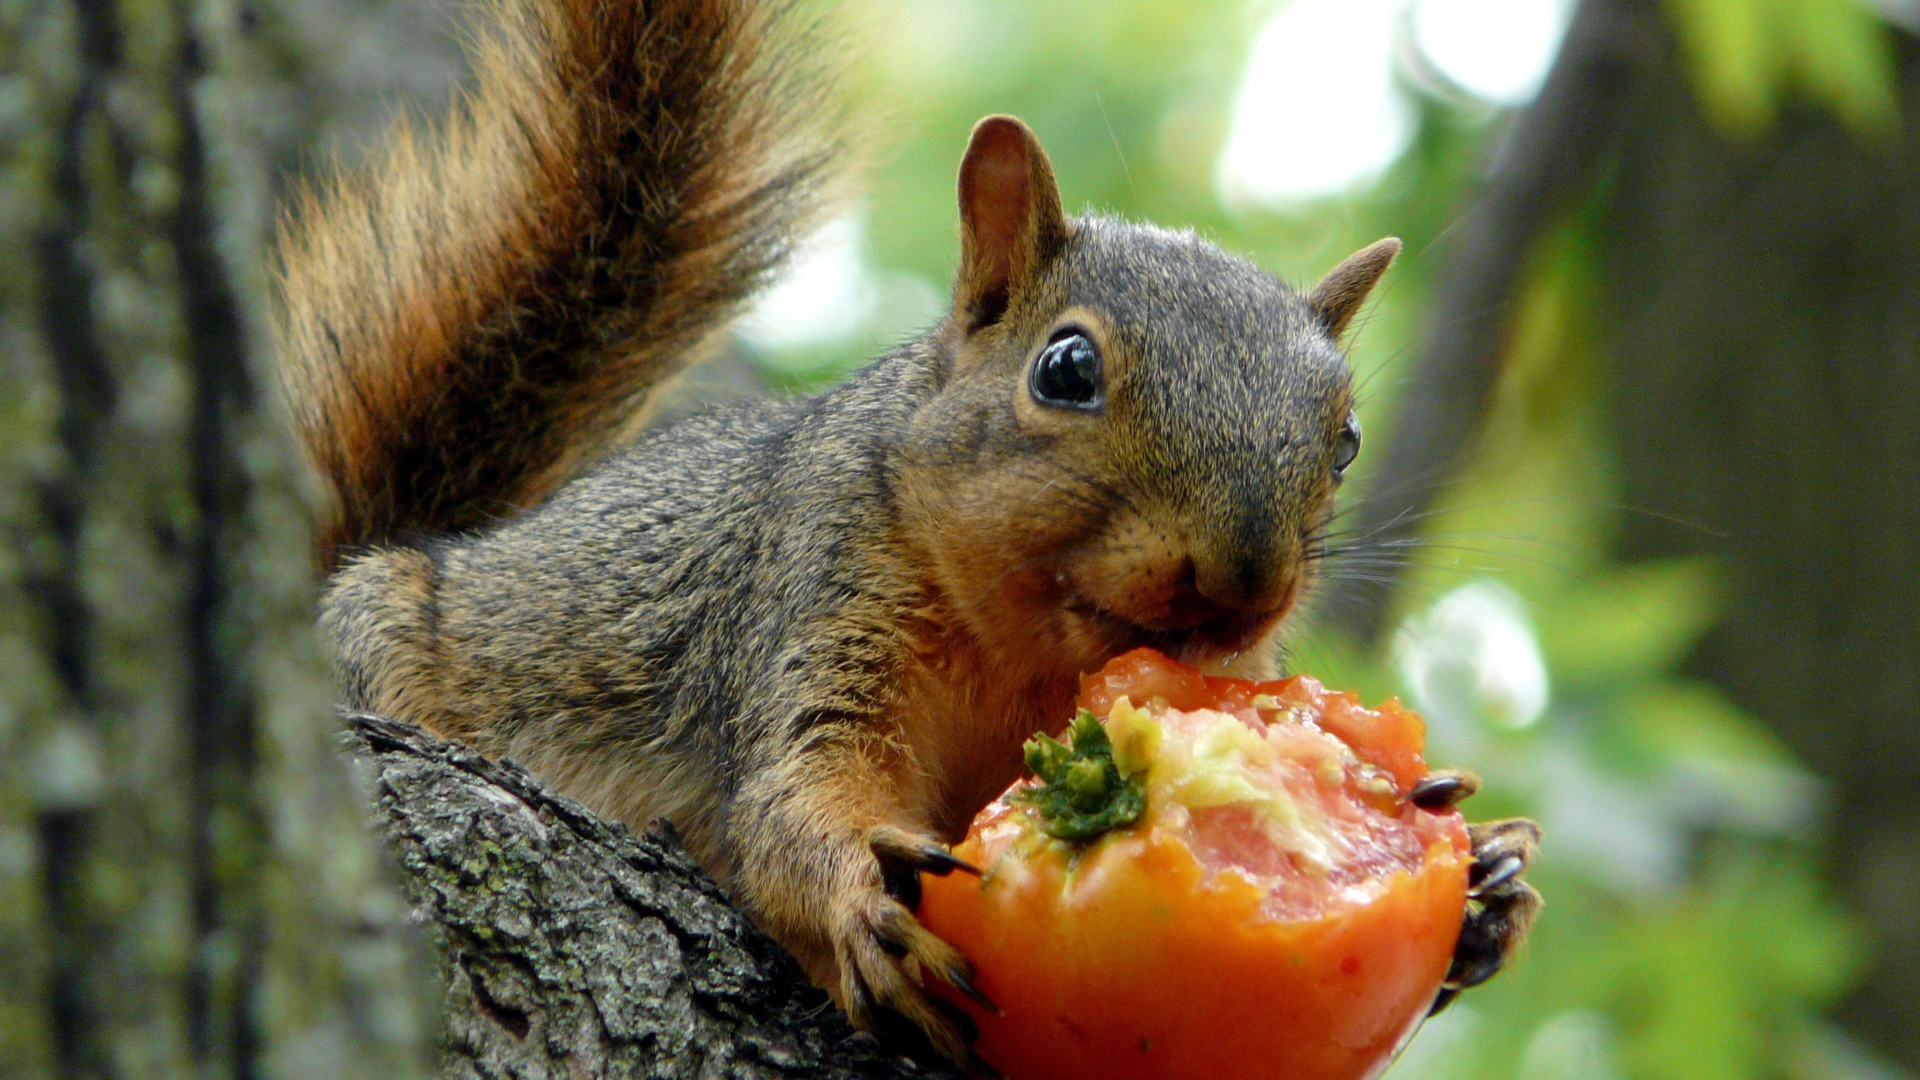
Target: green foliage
[
  {"x": 1715, "y": 981},
  {"x": 1631, "y": 620},
  {"x": 1749, "y": 54},
  {"x": 1702, "y": 988}
]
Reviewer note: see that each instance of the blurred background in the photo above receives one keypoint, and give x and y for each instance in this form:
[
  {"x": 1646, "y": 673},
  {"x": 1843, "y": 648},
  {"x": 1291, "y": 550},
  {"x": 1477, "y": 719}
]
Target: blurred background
[{"x": 1637, "y": 524}]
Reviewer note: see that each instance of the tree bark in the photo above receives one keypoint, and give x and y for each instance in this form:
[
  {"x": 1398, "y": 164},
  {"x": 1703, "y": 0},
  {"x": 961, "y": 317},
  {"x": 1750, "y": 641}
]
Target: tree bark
[
  {"x": 1762, "y": 303},
  {"x": 187, "y": 887},
  {"x": 572, "y": 947}
]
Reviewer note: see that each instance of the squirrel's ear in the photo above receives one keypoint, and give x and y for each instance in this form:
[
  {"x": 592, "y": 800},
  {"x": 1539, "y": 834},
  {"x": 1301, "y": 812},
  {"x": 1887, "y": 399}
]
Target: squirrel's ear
[
  {"x": 1010, "y": 219},
  {"x": 1338, "y": 297}
]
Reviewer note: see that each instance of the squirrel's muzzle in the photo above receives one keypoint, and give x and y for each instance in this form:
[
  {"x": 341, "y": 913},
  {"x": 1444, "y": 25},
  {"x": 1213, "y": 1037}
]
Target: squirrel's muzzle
[{"x": 1230, "y": 603}]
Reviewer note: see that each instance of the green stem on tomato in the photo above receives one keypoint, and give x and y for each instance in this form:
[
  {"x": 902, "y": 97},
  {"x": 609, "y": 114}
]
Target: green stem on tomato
[{"x": 1082, "y": 794}]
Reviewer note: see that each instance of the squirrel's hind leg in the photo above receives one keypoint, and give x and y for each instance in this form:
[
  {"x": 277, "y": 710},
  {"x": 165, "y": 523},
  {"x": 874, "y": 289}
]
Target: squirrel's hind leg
[{"x": 377, "y": 619}]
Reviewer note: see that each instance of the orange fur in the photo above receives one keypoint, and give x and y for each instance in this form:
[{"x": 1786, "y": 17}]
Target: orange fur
[{"x": 491, "y": 301}]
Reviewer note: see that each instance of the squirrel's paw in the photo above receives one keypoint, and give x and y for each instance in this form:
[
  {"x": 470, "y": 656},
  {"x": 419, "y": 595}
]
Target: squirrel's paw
[
  {"x": 886, "y": 956},
  {"x": 1500, "y": 906},
  {"x": 904, "y": 855}
]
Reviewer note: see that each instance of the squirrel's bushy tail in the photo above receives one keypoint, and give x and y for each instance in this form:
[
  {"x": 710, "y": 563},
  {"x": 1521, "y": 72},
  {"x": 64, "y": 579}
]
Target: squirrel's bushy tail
[{"x": 492, "y": 300}]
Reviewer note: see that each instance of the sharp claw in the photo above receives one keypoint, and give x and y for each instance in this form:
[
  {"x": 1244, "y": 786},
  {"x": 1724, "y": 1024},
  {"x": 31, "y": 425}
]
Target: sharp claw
[
  {"x": 1478, "y": 961},
  {"x": 1502, "y": 908},
  {"x": 860, "y": 1004},
  {"x": 1471, "y": 975},
  {"x": 886, "y": 955},
  {"x": 1489, "y": 936},
  {"x": 959, "y": 981},
  {"x": 1485, "y": 877},
  {"x": 941, "y": 863},
  {"x": 1443, "y": 791},
  {"x": 894, "y": 846}
]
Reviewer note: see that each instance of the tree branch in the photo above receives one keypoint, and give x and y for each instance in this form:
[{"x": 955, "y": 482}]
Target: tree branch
[
  {"x": 573, "y": 948},
  {"x": 1550, "y": 157}
]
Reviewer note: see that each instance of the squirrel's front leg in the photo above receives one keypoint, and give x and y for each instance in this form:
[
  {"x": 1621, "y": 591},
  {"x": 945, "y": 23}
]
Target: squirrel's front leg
[{"x": 828, "y": 858}]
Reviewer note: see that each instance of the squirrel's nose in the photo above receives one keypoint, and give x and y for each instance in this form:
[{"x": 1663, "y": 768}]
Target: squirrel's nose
[
  {"x": 1241, "y": 581},
  {"x": 1212, "y": 586},
  {"x": 1240, "y": 560},
  {"x": 1225, "y": 605}
]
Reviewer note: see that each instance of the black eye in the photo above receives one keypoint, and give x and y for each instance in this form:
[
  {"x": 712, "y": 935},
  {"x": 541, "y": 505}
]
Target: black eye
[
  {"x": 1067, "y": 373},
  {"x": 1346, "y": 445}
]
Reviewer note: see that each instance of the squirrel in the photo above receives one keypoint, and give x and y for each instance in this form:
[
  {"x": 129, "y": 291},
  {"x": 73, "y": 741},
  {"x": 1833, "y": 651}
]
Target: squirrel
[{"x": 811, "y": 633}]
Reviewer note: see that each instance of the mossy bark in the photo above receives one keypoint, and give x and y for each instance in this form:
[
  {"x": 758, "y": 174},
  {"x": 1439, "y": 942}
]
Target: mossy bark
[
  {"x": 186, "y": 884},
  {"x": 572, "y": 947}
]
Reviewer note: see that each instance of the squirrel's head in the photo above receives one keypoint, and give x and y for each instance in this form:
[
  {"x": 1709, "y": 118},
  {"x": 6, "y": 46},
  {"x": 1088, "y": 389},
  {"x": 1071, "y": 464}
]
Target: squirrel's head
[{"x": 1139, "y": 436}]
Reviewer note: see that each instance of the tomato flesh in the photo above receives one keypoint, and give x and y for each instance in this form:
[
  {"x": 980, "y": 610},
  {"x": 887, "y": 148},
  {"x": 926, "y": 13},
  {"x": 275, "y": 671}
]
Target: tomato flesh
[
  {"x": 1391, "y": 736},
  {"x": 1280, "y": 911}
]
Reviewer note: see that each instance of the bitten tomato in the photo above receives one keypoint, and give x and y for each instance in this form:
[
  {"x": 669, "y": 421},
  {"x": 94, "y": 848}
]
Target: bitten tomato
[{"x": 1225, "y": 880}]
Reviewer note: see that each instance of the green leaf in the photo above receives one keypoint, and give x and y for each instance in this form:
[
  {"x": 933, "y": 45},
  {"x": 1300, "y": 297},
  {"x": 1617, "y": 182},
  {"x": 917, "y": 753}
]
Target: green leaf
[
  {"x": 1687, "y": 719},
  {"x": 1736, "y": 63},
  {"x": 1845, "y": 59},
  {"x": 1636, "y": 621},
  {"x": 1694, "y": 729},
  {"x": 1747, "y": 55},
  {"x": 1701, "y": 984}
]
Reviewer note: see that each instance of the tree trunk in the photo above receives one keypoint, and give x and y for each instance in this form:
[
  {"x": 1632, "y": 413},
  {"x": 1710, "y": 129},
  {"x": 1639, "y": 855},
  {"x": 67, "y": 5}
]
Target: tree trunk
[
  {"x": 1763, "y": 330},
  {"x": 1548, "y": 161},
  {"x": 186, "y": 884}
]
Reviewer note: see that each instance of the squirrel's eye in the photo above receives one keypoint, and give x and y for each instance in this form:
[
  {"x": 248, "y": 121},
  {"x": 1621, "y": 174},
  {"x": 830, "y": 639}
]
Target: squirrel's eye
[
  {"x": 1067, "y": 373},
  {"x": 1346, "y": 445}
]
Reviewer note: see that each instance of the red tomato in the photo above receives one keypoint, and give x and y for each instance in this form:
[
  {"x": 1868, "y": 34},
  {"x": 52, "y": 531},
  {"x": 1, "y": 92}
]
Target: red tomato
[{"x": 1276, "y": 911}]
